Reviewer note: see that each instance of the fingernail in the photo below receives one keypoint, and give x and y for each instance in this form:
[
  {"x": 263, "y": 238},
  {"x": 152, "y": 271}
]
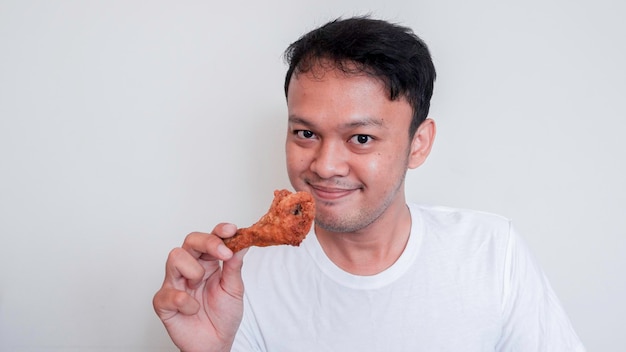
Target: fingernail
[
  {"x": 229, "y": 228},
  {"x": 224, "y": 251}
]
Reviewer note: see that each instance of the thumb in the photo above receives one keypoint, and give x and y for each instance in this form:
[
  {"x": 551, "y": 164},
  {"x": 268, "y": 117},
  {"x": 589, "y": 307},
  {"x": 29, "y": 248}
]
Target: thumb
[{"x": 231, "y": 274}]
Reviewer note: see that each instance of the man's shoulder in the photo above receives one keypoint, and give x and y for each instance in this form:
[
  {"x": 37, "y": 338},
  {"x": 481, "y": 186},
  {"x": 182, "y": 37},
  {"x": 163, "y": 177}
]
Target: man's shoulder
[
  {"x": 451, "y": 214},
  {"x": 457, "y": 220}
]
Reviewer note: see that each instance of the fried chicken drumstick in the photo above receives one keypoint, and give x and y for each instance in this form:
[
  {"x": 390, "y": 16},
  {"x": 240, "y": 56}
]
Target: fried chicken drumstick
[{"x": 288, "y": 221}]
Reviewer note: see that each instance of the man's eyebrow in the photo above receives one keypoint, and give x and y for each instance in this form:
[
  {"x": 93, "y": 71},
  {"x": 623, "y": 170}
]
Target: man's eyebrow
[
  {"x": 300, "y": 121},
  {"x": 364, "y": 122}
]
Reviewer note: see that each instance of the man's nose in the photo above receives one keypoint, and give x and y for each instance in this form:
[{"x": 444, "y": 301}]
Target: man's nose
[{"x": 331, "y": 160}]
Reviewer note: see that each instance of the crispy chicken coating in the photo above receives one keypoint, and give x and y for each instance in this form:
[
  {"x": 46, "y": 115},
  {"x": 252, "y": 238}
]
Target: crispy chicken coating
[{"x": 288, "y": 221}]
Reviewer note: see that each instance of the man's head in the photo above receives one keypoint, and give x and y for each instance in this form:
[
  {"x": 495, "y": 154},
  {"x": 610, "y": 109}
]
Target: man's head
[
  {"x": 391, "y": 53},
  {"x": 354, "y": 90}
]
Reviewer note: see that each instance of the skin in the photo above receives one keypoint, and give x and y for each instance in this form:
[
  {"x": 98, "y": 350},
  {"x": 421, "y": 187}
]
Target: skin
[
  {"x": 201, "y": 303},
  {"x": 348, "y": 145}
]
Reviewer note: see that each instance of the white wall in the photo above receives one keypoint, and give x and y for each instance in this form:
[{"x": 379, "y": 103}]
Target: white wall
[{"x": 124, "y": 125}]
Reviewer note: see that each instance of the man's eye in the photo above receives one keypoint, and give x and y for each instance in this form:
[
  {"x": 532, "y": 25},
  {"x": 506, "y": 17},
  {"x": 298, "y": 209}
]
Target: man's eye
[
  {"x": 306, "y": 134},
  {"x": 361, "y": 139}
]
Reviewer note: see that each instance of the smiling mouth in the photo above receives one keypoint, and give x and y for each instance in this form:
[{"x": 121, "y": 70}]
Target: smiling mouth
[{"x": 331, "y": 193}]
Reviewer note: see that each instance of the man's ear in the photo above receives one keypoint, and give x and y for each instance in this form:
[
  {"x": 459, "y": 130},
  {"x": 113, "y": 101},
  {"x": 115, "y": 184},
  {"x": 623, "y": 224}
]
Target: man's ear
[{"x": 422, "y": 143}]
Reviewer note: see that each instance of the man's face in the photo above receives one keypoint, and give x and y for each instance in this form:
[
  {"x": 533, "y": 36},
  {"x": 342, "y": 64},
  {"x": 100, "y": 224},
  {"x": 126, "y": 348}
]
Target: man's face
[{"x": 348, "y": 145}]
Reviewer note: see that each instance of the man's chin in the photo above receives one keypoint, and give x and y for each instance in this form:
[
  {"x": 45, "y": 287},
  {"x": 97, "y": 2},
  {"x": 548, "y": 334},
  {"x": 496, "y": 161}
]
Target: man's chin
[{"x": 336, "y": 223}]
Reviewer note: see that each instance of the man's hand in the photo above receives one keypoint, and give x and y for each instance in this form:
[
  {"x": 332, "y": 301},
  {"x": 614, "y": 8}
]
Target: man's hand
[{"x": 201, "y": 302}]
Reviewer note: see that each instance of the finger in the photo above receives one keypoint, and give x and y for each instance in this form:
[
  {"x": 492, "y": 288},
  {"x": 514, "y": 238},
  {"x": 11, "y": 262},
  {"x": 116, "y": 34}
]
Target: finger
[
  {"x": 210, "y": 246},
  {"x": 206, "y": 246},
  {"x": 182, "y": 269},
  {"x": 231, "y": 274},
  {"x": 167, "y": 302},
  {"x": 225, "y": 230}
]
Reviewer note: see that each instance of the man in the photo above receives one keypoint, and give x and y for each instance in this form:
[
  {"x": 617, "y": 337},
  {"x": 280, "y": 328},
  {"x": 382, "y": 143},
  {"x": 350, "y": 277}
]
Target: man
[{"x": 375, "y": 273}]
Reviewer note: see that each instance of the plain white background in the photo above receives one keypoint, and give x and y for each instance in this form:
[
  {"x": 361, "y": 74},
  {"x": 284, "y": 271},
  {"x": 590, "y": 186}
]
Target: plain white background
[{"x": 125, "y": 125}]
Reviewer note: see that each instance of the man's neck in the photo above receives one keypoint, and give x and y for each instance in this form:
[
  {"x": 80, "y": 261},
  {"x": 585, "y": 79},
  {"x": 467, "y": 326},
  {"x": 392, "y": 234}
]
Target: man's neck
[{"x": 373, "y": 249}]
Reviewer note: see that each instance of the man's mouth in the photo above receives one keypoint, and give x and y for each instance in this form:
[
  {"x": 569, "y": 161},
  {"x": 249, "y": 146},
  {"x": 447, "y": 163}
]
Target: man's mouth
[{"x": 329, "y": 193}]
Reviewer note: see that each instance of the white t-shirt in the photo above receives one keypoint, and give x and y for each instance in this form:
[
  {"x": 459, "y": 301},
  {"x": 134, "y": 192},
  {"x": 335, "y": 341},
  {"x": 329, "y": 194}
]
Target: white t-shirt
[{"x": 465, "y": 282}]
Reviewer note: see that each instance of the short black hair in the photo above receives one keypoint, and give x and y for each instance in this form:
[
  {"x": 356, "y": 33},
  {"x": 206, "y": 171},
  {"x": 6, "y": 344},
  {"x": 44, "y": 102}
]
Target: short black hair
[{"x": 387, "y": 51}]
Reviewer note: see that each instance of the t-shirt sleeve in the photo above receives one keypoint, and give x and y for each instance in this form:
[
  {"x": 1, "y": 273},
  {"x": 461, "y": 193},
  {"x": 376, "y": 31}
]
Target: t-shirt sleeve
[{"x": 533, "y": 318}]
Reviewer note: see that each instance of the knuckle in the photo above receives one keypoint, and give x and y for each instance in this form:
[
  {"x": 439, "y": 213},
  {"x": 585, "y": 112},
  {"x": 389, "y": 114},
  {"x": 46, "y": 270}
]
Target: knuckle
[
  {"x": 159, "y": 300},
  {"x": 156, "y": 300},
  {"x": 190, "y": 236},
  {"x": 179, "y": 298},
  {"x": 174, "y": 254},
  {"x": 195, "y": 238}
]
